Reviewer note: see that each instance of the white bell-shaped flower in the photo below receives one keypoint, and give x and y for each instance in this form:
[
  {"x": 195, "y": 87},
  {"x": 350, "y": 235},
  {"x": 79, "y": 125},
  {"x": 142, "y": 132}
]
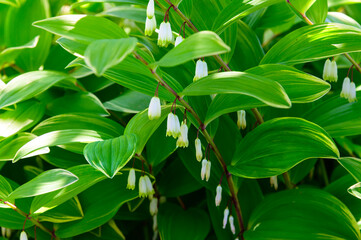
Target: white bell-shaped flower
[
  {"x": 352, "y": 96},
  {"x": 274, "y": 182},
  {"x": 165, "y": 35},
  {"x": 154, "y": 110},
  {"x": 153, "y": 206},
  {"x": 150, "y": 9},
  {"x": 23, "y": 236},
  {"x": 333, "y": 74},
  {"x": 150, "y": 189},
  {"x": 204, "y": 168},
  {"x": 225, "y": 217},
  {"x": 150, "y": 26},
  {"x": 173, "y": 126},
  {"x": 131, "y": 179},
  {"x": 218, "y": 195},
  {"x": 198, "y": 146},
  {"x": 183, "y": 138},
  {"x": 345, "y": 92},
  {"x": 241, "y": 119},
  {"x": 208, "y": 170},
  {"x": 231, "y": 224},
  {"x": 201, "y": 70},
  {"x": 178, "y": 40},
  {"x": 142, "y": 187},
  {"x": 327, "y": 70}
]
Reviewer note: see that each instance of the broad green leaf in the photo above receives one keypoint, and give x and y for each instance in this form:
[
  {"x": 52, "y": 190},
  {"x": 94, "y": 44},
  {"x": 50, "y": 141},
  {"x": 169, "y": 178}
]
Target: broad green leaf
[
  {"x": 241, "y": 83},
  {"x": 59, "y": 138},
  {"x": 129, "y": 102},
  {"x": 130, "y": 12},
  {"x": 19, "y": 31},
  {"x": 14, "y": 3},
  {"x": 352, "y": 165},
  {"x": 5, "y": 188},
  {"x": 201, "y": 44},
  {"x": 318, "y": 11},
  {"x": 111, "y": 155},
  {"x": 302, "y": 6},
  {"x": 82, "y": 28},
  {"x": 10, "y": 146},
  {"x": 143, "y": 128},
  {"x": 87, "y": 175},
  {"x": 355, "y": 190},
  {"x": 338, "y": 17},
  {"x": 8, "y": 56},
  {"x": 46, "y": 182},
  {"x": 62, "y": 158},
  {"x": 26, "y": 115},
  {"x": 314, "y": 42},
  {"x": 101, "y": 55},
  {"x": 100, "y": 203},
  {"x": 333, "y": 3},
  {"x": 337, "y": 116},
  {"x": 303, "y": 214},
  {"x": 69, "y": 211},
  {"x": 174, "y": 223},
  {"x": 81, "y": 102},
  {"x": 79, "y": 121},
  {"x": 28, "y": 85},
  {"x": 236, "y": 10},
  {"x": 279, "y": 144},
  {"x": 299, "y": 86}
]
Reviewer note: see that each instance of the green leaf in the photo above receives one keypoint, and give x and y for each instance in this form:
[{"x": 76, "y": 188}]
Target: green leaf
[
  {"x": 314, "y": 42},
  {"x": 130, "y": 12},
  {"x": 28, "y": 85},
  {"x": 5, "y": 188},
  {"x": 318, "y": 11},
  {"x": 143, "y": 128},
  {"x": 301, "y": 6},
  {"x": 352, "y": 165},
  {"x": 279, "y": 144},
  {"x": 69, "y": 211},
  {"x": 14, "y": 3},
  {"x": 241, "y": 83},
  {"x": 236, "y": 10},
  {"x": 338, "y": 17},
  {"x": 201, "y": 44},
  {"x": 302, "y": 214},
  {"x": 337, "y": 116},
  {"x": 299, "y": 86},
  {"x": 129, "y": 102},
  {"x": 101, "y": 55},
  {"x": 87, "y": 175},
  {"x": 111, "y": 155},
  {"x": 355, "y": 190},
  {"x": 175, "y": 224},
  {"x": 81, "y": 102},
  {"x": 46, "y": 182},
  {"x": 26, "y": 115},
  {"x": 82, "y": 28},
  {"x": 8, "y": 56},
  {"x": 59, "y": 138}
]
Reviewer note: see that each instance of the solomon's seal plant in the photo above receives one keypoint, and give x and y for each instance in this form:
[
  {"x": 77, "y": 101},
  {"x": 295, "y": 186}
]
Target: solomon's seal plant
[{"x": 180, "y": 119}]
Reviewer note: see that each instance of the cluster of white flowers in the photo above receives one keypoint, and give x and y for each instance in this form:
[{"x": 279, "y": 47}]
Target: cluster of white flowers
[
  {"x": 330, "y": 71},
  {"x": 165, "y": 35},
  {"x": 348, "y": 90},
  {"x": 6, "y": 232},
  {"x": 206, "y": 169},
  {"x": 183, "y": 137},
  {"x": 230, "y": 219},
  {"x": 173, "y": 126},
  {"x": 241, "y": 119},
  {"x": 150, "y": 22},
  {"x": 145, "y": 187},
  {"x": 154, "y": 110},
  {"x": 201, "y": 70}
]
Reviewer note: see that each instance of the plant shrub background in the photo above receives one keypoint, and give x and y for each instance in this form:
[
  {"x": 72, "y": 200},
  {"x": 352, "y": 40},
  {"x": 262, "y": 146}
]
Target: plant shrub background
[{"x": 183, "y": 119}]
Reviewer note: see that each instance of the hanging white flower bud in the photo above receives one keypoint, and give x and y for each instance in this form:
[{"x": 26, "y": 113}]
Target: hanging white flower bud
[
  {"x": 155, "y": 223},
  {"x": 150, "y": 26},
  {"x": 231, "y": 224},
  {"x": 241, "y": 119},
  {"x": 345, "y": 93},
  {"x": 218, "y": 195},
  {"x": 131, "y": 179},
  {"x": 208, "y": 170},
  {"x": 326, "y": 70},
  {"x": 3, "y": 231},
  {"x": 165, "y": 35},
  {"x": 183, "y": 138},
  {"x": 204, "y": 168},
  {"x": 236, "y": 239},
  {"x": 154, "y": 110},
  {"x": 274, "y": 182},
  {"x": 201, "y": 70},
  {"x": 199, "y": 153},
  {"x": 177, "y": 129},
  {"x": 178, "y": 40},
  {"x": 153, "y": 206},
  {"x": 142, "y": 187},
  {"x": 352, "y": 95},
  {"x": 23, "y": 236},
  {"x": 150, "y": 189},
  {"x": 150, "y": 9},
  {"x": 225, "y": 217},
  {"x": 8, "y": 232},
  {"x": 333, "y": 74}
]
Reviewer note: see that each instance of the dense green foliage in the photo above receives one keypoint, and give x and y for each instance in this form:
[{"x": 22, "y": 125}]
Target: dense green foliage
[{"x": 231, "y": 126}]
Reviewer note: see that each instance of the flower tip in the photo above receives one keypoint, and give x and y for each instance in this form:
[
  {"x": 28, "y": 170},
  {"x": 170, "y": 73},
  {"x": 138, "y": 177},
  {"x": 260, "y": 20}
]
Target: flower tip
[
  {"x": 23, "y": 236},
  {"x": 154, "y": 110}
]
